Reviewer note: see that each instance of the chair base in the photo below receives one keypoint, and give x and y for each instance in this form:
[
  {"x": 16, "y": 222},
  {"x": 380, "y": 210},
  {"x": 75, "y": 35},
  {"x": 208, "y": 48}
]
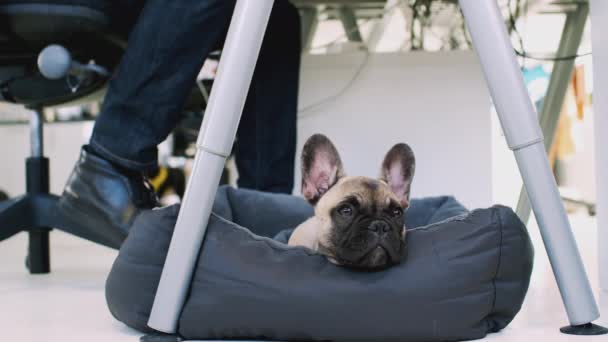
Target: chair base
[{"x": 37, "y": 214}]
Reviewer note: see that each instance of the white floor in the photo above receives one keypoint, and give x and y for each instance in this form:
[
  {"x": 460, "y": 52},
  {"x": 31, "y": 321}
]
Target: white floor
[{"x": 69, "y": 304}]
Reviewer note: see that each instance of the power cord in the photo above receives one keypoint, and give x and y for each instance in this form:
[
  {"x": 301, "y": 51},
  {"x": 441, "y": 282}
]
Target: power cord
[
  {"x": 522, "y": 52},
  {"x": 357, "y": 72},
  {"x": 341, "y": 92}
]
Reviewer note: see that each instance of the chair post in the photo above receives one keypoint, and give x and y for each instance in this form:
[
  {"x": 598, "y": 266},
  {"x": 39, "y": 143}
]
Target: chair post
[
  {"x": 36, "y": 133},
  {"x": 37, "y": 182},
  {"x": 522, "y": 131},
  {"x": 214, "y": 144}
]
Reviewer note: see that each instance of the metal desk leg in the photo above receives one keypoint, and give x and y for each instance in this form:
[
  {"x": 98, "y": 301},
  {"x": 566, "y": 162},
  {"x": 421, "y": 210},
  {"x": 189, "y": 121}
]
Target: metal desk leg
[
  {"x": 523, "y": 134},
  {"x": 215, "y": 140},
  {"x": 349, "y": 22},
  {"x": 599, "y": 17},
  {"x": 310, "y": 22},
  {"x": 558, "y": 85}
]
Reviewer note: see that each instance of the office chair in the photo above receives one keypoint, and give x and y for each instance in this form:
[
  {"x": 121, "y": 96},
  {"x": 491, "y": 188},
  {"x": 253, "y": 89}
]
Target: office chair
[{"x": 55, "y": 52}]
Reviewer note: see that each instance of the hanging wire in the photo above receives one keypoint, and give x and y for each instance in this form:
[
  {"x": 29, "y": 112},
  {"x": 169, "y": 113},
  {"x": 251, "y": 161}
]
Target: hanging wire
[
  {"x": 359, "y": 70},
  {"x": 522, "y": 52}
]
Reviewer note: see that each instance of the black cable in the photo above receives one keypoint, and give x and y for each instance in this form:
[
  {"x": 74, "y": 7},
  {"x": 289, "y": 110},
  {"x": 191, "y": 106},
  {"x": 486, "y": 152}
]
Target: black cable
[
  {"x": 551, "y": 58},
  {"x": 514, "y": 29},
  {"x": 522, "y": 52}
]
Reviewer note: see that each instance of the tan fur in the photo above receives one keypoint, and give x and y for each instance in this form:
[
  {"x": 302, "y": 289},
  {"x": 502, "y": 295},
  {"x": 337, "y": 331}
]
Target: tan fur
[{"x": 315, "y": 230}]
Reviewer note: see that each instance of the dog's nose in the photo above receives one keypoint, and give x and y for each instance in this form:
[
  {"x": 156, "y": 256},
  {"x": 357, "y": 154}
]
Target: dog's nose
[{"x": 379, "y": 227}]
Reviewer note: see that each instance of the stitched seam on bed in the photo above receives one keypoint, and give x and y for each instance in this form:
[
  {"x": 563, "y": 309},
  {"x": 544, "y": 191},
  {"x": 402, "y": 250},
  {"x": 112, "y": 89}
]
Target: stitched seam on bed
[
  {"x": 500, "y": 245},
  {"x": 281, "y": 247},
  {"x": 460, "y": 217}
]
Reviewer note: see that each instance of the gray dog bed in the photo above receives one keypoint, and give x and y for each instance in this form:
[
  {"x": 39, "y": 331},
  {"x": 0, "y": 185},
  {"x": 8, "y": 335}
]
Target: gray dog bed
[{"x": 466, "y": 275}]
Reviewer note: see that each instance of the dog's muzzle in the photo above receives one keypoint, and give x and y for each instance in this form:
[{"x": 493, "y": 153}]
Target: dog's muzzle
[{"x": 383, "y": 248}]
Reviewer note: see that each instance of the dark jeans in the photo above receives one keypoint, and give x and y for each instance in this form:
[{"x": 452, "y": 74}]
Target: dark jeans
[{"x": 166, "y": 50}]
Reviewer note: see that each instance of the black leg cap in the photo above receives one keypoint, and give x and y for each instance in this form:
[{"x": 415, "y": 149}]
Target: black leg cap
[
  {"x": 584, "y": 329},
  {"x": 158, "y": 337}
]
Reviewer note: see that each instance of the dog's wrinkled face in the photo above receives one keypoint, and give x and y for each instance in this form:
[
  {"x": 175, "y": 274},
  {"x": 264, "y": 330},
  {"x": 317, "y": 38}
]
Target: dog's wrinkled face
[
  {"x": 360, "y": 220},
  {"x": 363, "y": 223}
]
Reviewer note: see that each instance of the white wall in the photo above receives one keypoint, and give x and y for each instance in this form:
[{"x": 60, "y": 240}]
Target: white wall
[{"x": 436, "y": 102}]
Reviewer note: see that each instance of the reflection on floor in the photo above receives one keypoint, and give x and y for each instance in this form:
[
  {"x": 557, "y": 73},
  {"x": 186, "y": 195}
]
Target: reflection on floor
[{"x": 69, "y": 304}]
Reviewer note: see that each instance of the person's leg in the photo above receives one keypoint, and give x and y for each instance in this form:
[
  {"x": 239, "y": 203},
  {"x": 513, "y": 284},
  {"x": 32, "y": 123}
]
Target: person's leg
[
  {"x": 166, "y": 50},
  {"x": 165, "y": 53},
  {"x": 266, "y": 139}
]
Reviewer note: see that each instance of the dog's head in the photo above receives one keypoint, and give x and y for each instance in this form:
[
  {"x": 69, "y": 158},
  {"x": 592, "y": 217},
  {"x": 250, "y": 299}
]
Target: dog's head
[{"x": 361, "y": 219}]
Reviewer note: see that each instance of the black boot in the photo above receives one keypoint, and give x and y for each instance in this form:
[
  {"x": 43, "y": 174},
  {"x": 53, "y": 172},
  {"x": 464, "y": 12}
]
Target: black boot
[{"x": 104, "y": 198}]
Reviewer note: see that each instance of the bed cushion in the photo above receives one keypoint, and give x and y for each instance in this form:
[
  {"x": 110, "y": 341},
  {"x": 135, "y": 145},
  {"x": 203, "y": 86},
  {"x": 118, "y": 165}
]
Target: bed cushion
[{"x": 466, "y": 275}]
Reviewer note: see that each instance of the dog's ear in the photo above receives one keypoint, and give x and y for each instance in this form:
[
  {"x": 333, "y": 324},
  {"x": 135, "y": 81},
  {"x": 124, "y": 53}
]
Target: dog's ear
[
  {"x": 321, "y": 167},
  {"x": 398, "y": 170}
]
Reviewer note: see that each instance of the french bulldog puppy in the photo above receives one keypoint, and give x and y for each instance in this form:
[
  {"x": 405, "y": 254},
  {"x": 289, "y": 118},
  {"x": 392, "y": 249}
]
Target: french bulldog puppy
[{"x": 358, "y": 221}]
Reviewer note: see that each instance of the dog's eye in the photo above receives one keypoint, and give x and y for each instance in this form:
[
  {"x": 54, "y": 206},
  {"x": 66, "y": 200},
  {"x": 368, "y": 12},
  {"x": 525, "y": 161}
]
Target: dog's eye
[
  {"x": 396, "y": 212},
  {"x": 345, "y": 210}
]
